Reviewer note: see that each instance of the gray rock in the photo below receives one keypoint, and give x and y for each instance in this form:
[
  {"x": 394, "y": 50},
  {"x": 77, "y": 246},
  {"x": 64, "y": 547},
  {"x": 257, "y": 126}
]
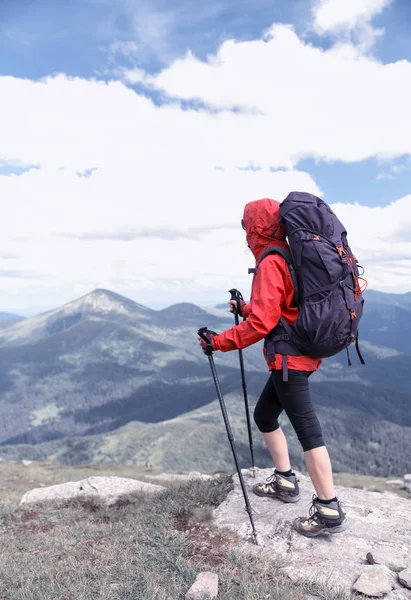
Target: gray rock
[
  {"x": 205, "y": 586},
  {"x": 334, "y": 561},
  {"x": 176, "y": 477},
  {"x": 400, "y": 594},
  {"x": 107, "y": 490},
  {"x": 407, "y": 482},
  {"x": 376, "y": 581},
  {"x": 384, "y": 556},
  {"x": 405, "y": 578}
]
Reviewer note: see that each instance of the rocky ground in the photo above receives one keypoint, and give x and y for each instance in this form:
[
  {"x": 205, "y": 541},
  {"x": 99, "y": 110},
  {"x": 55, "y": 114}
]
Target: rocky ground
[
  {"x": 75, "y": 533},
  {"x": 380, "y": 526}
]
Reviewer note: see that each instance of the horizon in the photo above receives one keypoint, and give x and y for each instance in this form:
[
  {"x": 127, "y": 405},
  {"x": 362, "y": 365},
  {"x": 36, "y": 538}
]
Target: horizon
[{"x": 156, "y": 306}]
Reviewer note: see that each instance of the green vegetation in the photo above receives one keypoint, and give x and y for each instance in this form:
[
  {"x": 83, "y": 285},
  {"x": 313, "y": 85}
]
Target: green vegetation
[
  {"x": 358, "y": 441},
  {"x": 146, "y": 548}
]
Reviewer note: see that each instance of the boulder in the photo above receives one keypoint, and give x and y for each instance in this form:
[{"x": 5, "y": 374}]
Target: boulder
[
  {"x": 204, "y": 587},
  {"x": 181, "y": 477},
  {"x": 407, "y": 483},
  {"x": 384, "y": 556},
  {"x": 335, "y": 561},
  {"x": 376, "y": 581},
  {"x": 405, "y": 578},
  {"x": 107, "y": 490}
]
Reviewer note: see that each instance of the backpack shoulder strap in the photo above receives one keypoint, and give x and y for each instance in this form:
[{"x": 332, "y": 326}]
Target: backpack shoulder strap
[{"x": 288, "y": 259}]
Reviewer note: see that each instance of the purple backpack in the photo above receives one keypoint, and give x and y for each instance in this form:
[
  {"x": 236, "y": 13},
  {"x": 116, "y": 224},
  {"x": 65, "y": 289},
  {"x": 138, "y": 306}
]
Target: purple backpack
[{"x": 327, "y": 282}]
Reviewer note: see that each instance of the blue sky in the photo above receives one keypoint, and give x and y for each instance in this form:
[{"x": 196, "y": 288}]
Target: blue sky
[
  {"x": 134, "y": 45},
  {"x": 42, "y": 37}
]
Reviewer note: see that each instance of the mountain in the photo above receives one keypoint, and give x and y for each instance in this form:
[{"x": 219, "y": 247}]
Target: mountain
[
  {"x": 6, "y": 318},
  {"x": 358, "y": 442},
  {"x": 105, "y": 378},
  {"x": 98, "y": 363},
  {"x": 387, "y": 320}
]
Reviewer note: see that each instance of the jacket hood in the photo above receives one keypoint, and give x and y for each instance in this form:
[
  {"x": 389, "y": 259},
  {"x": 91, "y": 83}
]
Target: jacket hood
[{"x": 261, "y": 219}]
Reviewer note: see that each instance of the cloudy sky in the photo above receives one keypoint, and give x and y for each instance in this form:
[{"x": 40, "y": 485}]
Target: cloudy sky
[{"x": 132, "y": 133}]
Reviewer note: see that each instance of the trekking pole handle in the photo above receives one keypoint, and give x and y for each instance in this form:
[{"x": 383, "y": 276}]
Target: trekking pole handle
[
  {"x": 202, "y": 333},
  {"x": 237, "y": 297}
]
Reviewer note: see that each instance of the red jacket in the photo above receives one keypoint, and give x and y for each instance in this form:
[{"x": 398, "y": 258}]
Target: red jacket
[{"x": 272, "y": 292}]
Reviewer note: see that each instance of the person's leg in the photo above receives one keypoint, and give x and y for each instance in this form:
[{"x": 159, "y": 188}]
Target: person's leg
[
  {"x": 266, "y": 413},
  {"x": 278, "y": 448},
  {"x": 295, "y": 399},
  {"x": 283, "y": 483},
  {"x": 294, "y": 396},
  {"x": 319, "y": 468}
]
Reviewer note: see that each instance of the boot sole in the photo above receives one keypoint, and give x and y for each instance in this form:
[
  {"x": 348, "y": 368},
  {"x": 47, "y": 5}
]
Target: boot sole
[
  {"x": 330, "y": 530},
  {"x": 289, "y": 500}
]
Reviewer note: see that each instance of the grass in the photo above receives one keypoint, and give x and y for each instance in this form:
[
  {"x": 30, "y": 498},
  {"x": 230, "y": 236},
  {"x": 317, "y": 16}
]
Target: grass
[{"x": 145, "y": 548}]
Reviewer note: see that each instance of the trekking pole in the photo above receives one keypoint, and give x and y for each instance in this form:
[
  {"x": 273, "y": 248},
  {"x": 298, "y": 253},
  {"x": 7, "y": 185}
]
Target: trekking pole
[
  {"x": 209, "y": 352},
  {"x": 237, "y": 296}
]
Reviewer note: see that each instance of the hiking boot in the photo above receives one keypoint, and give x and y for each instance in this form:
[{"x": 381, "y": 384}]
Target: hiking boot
[
  {"x": 323, "y": 518},
  {"x": 280, "y": 487}
]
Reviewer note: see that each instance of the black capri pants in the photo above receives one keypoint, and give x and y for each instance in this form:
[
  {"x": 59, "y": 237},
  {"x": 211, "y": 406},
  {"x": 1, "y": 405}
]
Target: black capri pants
[{"x": 293, "y": 396}]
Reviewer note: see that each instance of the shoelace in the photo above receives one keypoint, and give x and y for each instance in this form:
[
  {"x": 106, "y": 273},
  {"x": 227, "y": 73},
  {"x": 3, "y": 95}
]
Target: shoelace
[
  {"x": 270, "y": 478},
  {"x": 312, "y": 511}
]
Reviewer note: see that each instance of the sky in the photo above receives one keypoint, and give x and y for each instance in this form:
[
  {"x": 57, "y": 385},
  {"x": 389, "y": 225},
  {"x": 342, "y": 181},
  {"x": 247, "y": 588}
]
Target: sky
[{"x": 132, "y": 134}]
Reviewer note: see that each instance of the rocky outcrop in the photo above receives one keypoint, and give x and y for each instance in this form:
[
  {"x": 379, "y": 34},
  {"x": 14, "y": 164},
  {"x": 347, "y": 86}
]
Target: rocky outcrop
[
  {"x": 181, "y": 477},
  {"x": 380, "y": 526},
  {"x": 107, "y": 490}
]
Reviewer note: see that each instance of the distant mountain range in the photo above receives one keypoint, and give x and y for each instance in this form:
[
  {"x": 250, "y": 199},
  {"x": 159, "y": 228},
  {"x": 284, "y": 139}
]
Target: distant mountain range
[
  {"x": 6, "y": 318},
  {"x": 104, "y": 378}
]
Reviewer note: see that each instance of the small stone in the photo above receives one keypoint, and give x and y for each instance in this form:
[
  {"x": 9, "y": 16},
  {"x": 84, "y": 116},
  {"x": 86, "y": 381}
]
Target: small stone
[
  {"x": 405, "y": 578},
  {"x": 407, "y": 482},
  {"x": 205, "y": 586},
  {"x": 387, "y": 558},
  {"x": 116, "y": 586},
  {"x": 27, "y": 463},
  {"x": 375, "y": 581}
]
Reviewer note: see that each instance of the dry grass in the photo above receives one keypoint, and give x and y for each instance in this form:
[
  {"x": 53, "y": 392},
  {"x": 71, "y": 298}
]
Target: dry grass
[{"x": 146, "y": 548}]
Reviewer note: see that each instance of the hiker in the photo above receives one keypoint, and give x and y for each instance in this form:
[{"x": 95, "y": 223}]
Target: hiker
[{"x": 272, "y": 300}]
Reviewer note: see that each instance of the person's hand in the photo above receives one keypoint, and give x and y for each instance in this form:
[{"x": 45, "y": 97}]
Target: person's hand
[
  {"x": 233, "y": 306},
  {"x": 202, "y": 342}
]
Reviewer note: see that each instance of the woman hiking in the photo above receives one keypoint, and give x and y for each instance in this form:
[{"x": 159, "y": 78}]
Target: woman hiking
[{"x": 272, "y": 297}]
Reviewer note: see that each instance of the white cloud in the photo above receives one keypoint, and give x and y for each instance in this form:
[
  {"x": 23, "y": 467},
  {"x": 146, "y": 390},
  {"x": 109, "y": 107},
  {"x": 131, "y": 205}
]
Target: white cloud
[
  {"x": 384, "y": 176},
  {"x": 167, "y": 168},
  {"x": 350, "y": 20},
  {"x": 381, "y": 239},
  {"x": 334, "y": 15},
  {"x": 300, "y": 100}
]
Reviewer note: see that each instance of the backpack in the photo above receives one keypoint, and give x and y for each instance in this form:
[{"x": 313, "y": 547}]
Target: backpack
[{"x": 327, "y": 283}]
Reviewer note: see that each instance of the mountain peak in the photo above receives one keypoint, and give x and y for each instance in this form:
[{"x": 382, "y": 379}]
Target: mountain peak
[{"x": 102, "y": 301}]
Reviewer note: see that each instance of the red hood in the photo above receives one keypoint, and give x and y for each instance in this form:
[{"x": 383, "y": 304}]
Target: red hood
[{"x": 261, "y": 218}]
